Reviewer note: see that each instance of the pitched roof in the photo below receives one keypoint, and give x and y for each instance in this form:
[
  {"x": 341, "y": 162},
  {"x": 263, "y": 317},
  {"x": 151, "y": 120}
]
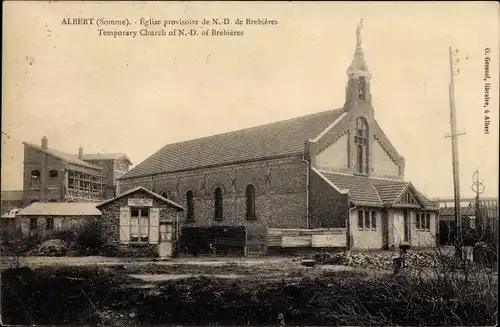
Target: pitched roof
[
  {"x": 63, "y": 156},
  {"x": 281, "y": 138},
  {"x": 60, "y": 209},
  {"x": 106, "y": 156},
  {"x": 12, "y": 195},
  {"x": 370, "y": 191},
  {"x": 464, "y": 211},
  {"x": 140, "y": 188}
]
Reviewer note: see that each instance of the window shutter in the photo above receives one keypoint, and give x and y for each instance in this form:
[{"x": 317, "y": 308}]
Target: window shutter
[
  {"x": 124, "y": 224},
  {"x": 154, "y": 225},
  {"x": 58, "y": 224}
]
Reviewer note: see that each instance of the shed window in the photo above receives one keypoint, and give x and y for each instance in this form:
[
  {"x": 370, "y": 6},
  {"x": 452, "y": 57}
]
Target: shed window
[
  {"x": 33, "y": 223},
  {"x": 139, "y": 225},
  {"x": 50, "y": 223},
  {"x": 423, "y": 221},
  {"x": 367, "y": 219}
]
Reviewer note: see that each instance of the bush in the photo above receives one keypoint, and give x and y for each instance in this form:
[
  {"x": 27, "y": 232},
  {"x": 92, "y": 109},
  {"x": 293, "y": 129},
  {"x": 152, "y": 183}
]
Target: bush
[
  {"x": 67, "y": 236},
  {"x": 89, "y": 238},
  {"x": 15, "y": 242}
]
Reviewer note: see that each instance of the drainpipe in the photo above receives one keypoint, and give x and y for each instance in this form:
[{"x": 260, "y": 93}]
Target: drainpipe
[
  {"x": 348, "y": 221},
  {"x": 177, "y": 230},
  {"x": 308, "y": 164}
]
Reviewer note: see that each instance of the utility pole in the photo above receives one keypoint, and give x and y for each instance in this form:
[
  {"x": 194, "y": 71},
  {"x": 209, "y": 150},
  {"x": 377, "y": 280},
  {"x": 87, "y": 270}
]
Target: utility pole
[
  {"x": 478, "y": 188},
  {"x": 454, "y": 142}
]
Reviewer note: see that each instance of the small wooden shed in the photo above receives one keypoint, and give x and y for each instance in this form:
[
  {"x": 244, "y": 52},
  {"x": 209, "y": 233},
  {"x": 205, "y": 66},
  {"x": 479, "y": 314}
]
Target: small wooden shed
[{"x": 141, "y": 221}]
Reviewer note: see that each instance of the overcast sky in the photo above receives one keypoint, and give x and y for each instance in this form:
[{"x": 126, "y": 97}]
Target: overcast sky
[{"x": 136, "y": 95}]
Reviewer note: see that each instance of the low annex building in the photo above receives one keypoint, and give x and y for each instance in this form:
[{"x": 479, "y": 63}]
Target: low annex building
[
  {"x": 43, "y": 218},
  {"x": 333, "y": 169},
  {"x": 141, "y": 219}
]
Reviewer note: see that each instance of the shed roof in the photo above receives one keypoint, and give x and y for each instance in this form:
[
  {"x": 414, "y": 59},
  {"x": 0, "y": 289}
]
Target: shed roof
[
  {"x": 61, "y": 209},
  {"x": 140, "y": 188},
  {"x": 276, "y": 139}
]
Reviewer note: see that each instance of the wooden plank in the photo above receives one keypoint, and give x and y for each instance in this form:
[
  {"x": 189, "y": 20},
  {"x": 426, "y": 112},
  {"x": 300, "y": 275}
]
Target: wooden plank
[
  {"x": 325, "y": 241},
  {"x": 300, "y": 241}
]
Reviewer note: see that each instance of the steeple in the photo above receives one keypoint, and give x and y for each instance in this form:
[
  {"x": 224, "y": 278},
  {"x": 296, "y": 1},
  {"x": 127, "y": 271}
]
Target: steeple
[
  {"x": 358, "y": 64},
  {"x": 358, "y": 95}
]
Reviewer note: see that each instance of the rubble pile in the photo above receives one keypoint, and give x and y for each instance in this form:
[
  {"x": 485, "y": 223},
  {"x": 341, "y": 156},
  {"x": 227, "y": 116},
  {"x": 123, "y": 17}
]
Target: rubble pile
[
  {"x": 378, "y": 261},
  {"x": 53, "y": 247}
]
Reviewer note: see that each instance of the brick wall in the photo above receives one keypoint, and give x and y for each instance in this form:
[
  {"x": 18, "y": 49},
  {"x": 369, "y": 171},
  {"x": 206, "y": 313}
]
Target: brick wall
[
  {"x": 328, "y": 207},
  {"x": 33, "y": 160},
  {"x": 67, "y": 222},
  {"x": 280, "y": 198},
  {"x": 111, "y": 220}
]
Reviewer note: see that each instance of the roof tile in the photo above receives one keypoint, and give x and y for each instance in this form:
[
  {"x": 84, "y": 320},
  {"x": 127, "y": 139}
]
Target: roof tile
[{"x": 275, "y": 139}]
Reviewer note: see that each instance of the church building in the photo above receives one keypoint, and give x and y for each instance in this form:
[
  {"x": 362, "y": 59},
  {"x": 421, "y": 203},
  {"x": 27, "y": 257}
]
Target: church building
[{"x": 332, "y": 169}]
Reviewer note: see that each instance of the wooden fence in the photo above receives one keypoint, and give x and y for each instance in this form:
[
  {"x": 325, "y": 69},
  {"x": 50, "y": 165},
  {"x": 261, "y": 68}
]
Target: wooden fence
[{"x": 307, "y": 238}]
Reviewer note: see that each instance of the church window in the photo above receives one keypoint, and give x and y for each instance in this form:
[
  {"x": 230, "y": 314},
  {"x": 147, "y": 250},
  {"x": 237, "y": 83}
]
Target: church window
[
  {"x": 362, "y": 89},
  {"x": 250, "y": 196},
  {"x": 218, "y": 203},
  {"x": 361, "y": 140},
  {"x": 190, "y": 205}
]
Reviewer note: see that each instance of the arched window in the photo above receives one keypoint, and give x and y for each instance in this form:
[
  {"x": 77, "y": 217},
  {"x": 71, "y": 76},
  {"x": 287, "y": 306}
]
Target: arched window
[
  {"x": 53, "y": 174},
  {"x": 35, "y": 175},
  {"x": 218, "y": 203},
  {"x": 250, "y": 195},
  {"x": 190, "y": 205},
  {"x": 361, "y": 88},
  {"x": 361, "y": 140}
]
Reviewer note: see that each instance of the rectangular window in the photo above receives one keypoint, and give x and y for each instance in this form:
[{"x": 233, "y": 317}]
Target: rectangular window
[
  {"x": 33, "y": 223},
  {"x": 50, "y": 223},
  {"x": 417, "y": 221},
  {"x": 139, "y": 225},
  {"x": 428, "y": 221},
  {"x": 374, "y": 220},
  {"x": 367, "y": 219}
]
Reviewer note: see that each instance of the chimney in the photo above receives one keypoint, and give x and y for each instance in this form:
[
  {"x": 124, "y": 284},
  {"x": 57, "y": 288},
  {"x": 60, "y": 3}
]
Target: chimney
[
  {"x": 44, "y": 143},
  {"x": 80, "y": 153}
]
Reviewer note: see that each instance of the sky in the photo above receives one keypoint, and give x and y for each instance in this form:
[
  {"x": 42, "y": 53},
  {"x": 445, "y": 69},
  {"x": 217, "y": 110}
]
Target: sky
[{"x": 134, "y": 95}]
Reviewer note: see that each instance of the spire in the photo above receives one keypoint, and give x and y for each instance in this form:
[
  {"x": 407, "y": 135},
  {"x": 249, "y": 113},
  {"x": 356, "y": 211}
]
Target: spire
[{"x": 358, "y": 65}]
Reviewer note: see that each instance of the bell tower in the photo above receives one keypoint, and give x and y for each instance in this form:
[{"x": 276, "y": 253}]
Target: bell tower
[{"x": 358, "y": 96}]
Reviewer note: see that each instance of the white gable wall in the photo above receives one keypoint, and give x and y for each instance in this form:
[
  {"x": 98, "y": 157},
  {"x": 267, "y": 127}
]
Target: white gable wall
[
  {"x": 335, "y": 156},
  {"x": 382, "y": 164}
]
